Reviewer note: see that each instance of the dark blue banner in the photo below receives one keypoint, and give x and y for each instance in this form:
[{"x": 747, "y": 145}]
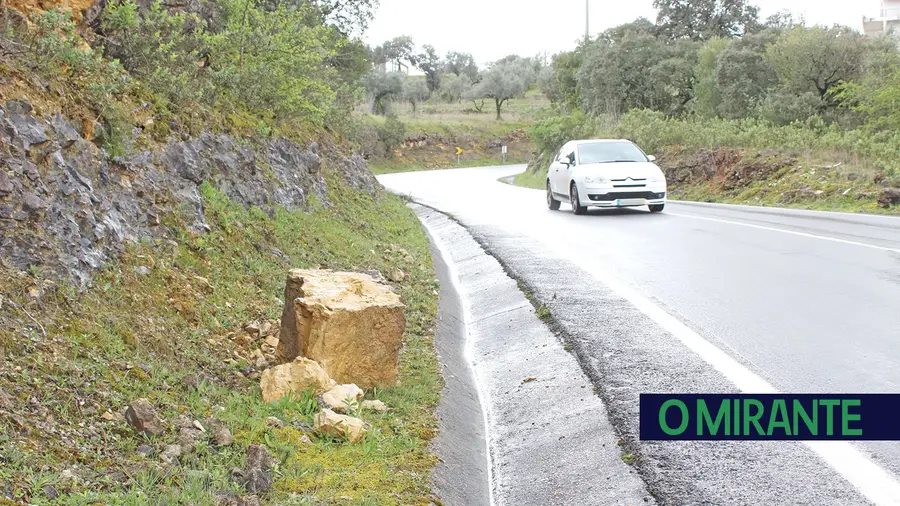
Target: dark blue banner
[{"x": 775, "y": 417}]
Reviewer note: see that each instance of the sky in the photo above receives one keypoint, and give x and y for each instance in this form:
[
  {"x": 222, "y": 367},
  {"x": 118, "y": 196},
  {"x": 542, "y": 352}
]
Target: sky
[{"x": 492, "y": 29}]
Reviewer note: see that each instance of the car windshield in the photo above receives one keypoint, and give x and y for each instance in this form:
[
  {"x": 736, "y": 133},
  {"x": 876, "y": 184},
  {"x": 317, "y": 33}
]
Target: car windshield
[{"x": 609, "y": 152}]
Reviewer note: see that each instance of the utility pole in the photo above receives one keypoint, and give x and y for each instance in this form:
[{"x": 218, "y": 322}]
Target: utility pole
[{"x": 587, "y": 21}]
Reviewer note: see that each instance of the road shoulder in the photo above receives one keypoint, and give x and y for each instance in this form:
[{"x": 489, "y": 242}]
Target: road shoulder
[{"x": 549, "y": 434}]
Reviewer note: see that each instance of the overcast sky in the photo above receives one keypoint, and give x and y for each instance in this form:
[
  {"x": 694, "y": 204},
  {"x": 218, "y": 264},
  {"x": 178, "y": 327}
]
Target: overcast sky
[{"x": 492, "y": 29}]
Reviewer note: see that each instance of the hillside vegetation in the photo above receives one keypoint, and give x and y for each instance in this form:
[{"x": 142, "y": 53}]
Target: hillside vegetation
[
  {"x": 163, "y": 166},
  {"x": 710, "y": 78}
]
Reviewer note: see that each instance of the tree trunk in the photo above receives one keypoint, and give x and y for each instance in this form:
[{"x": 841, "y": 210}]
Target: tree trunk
[{"x": 499, "y": 105}]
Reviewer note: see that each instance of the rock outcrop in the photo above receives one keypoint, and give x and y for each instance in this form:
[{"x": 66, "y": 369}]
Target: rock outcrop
[
  {"x": 87, "y": 206},
  {"x": 295, "y": 377},
  {"x": 347, "y": 322}
]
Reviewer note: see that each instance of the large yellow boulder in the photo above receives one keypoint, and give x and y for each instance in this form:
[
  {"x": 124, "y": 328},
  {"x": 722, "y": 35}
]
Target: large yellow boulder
[
  {"x": 346, "y": 321},
  {"x": 298, "y": 376}
]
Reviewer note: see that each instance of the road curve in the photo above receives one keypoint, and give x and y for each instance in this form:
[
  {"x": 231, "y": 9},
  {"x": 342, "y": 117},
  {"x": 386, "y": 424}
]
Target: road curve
[{"x": 707, "y": 298}]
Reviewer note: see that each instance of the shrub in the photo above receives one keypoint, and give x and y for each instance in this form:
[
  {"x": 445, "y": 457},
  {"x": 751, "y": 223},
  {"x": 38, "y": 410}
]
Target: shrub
[
  {"x": 390, "y": 135},
  {"x": 550, "y": 134}
]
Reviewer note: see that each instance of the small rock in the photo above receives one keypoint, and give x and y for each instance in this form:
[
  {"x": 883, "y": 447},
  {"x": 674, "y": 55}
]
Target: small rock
[
  {"x": 50, "y": 492},
  {"x": 889, "y": 197},
  {"x": 171, "y": 454},
  {"x": 222, "y": 436},
  {"x": 142, "y": 416},
  {"x": 31, "y": 203},
  {"x": 145, "y": 451},
  {"x": 330, "y": 424},
  {"x": 295, "y": 377},
  {"x": 68, "y": 477},
  {"x": 343, "y": 398},
  {"x": 274, "y": 422},
  {"x": 257, "y": 472},
  {"x": 529, "y": 380},
  {"x": 252, "y": 328},
  {"x": 142, "y": 270},
  {"x": 188, "y": 438},
  {"x": 397, "y": 275},
  {"x": 199, "y": 426},
  {"x": 6, "y": 186},
  {"x": 305, "y": 439},
  {"x": 266, "y": 329},
  {"x": 375, "y": 405}
]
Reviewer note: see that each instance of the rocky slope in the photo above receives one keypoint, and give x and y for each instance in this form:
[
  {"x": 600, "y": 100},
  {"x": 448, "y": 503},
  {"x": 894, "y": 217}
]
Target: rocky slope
[{"x": 66, "y": 207}]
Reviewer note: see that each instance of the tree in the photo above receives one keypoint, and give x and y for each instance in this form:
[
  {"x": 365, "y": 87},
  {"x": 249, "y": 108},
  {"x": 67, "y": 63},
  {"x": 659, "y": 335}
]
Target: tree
[
  {"x": 415, "y": 91},
  {"x": 743, "y": 77},
  {"x": 461, "y": 64},
  {"x": 613, "y": 76},
  {"x": 503, "y": 81},
  {"x": 707, "y": 95},
  {"x": 395, "y": 51},
  {"x": 705, "y": 19},
  {"x": 381, "y": 85},
  {"x": 430, "y": 63},
  {"x": 817, "y": 59},
  {"x": 563, "y": 89},
  {"x": 453, "y": 87}
]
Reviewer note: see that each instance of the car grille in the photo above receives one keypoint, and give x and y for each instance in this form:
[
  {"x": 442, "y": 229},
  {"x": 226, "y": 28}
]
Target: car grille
[{"x": 607, "y": 197}]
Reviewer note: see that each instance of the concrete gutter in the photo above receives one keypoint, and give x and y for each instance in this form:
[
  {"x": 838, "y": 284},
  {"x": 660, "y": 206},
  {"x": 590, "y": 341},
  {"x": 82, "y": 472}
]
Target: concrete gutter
[{"x": 519, "y": 420}]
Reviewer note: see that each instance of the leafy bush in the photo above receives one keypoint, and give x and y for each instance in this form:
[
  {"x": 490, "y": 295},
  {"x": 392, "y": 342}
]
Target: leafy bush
[
  {"x": 390, "y": 135},
  {"x": 550, "y": 134},
  {"x": 163, "y": 50},
  {"x": 54, "y": 49}
]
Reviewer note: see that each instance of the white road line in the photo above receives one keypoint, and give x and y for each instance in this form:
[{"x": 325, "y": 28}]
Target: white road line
[
  {"x": 792, "y": 232},
  {"x": 873, "y": 482},
  {"x": 453, "y": 275}
]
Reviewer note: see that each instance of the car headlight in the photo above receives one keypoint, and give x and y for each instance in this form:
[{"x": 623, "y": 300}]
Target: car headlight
[{"x": 595, "y": 180}]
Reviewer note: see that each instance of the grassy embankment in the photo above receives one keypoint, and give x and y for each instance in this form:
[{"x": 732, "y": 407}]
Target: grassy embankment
[
  {"x": 69, "y": 364},
  {"x": 458, "y": 124}
]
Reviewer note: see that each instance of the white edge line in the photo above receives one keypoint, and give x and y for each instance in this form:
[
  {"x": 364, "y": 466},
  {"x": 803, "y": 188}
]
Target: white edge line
[
  {"x": 791, "y": 232},
  {"x": 872, "y": 481},
  {"x": 467, "y": 350}
]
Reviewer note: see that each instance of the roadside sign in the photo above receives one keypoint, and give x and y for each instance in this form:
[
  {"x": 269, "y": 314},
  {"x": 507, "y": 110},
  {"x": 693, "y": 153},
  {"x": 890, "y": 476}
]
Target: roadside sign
[
  {"x": 504, "y": 150},
  {"x": 459, "y": 150}
]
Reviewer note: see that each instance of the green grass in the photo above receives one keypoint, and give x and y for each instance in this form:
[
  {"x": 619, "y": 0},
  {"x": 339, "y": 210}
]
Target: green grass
[
  {"x": 133, "y": 335},
  {"x": 536, "y": 179}
]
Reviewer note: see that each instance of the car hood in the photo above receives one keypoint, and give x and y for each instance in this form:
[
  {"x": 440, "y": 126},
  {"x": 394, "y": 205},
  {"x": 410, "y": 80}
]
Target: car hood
[{"x": 620, "y": 170}]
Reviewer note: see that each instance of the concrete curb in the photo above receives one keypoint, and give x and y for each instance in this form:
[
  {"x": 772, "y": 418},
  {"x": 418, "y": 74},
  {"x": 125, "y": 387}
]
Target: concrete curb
[{"x": 549, "y": 436}]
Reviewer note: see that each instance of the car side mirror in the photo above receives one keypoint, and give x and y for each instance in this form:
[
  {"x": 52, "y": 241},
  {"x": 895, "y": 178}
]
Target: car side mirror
[{"x": 651, "y": 158}]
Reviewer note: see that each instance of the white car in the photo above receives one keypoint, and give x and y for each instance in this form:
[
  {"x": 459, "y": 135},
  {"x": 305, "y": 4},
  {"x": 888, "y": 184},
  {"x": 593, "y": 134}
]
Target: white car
[{"x": 605, "y": 173}]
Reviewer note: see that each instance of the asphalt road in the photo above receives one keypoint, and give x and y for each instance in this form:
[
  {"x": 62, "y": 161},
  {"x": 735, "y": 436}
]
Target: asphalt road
[{"x": 707, "y": 298}]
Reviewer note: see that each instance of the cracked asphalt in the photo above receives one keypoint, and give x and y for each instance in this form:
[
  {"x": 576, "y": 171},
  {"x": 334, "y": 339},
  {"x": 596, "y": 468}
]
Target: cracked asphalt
[{"x": 806, "y": 301}]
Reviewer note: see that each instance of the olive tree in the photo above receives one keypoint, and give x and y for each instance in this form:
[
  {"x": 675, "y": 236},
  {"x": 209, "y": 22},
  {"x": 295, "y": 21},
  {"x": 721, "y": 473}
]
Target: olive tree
[
  {"x": 504, "y": 80},
  {"x": 415, "y": 91},
  {"x": 381, "y": 86},
  {"x": 454, "y": 87},
  {"x": 461, "y": 64}
]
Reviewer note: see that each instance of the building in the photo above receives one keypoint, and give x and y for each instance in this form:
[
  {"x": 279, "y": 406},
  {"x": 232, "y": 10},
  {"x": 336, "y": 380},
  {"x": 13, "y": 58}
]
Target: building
[{"x": 888, "y": 22}]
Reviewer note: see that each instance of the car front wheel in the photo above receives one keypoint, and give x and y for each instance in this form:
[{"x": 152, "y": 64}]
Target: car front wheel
[
  {"x": 552, "y": 203},
  {"x": 657, "y": 208},
  {"x": 577, "y": 208}
]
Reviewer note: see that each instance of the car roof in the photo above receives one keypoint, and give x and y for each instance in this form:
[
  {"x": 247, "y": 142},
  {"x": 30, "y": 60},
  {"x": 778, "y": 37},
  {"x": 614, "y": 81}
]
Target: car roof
[{"x": 593, "y": 141}]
